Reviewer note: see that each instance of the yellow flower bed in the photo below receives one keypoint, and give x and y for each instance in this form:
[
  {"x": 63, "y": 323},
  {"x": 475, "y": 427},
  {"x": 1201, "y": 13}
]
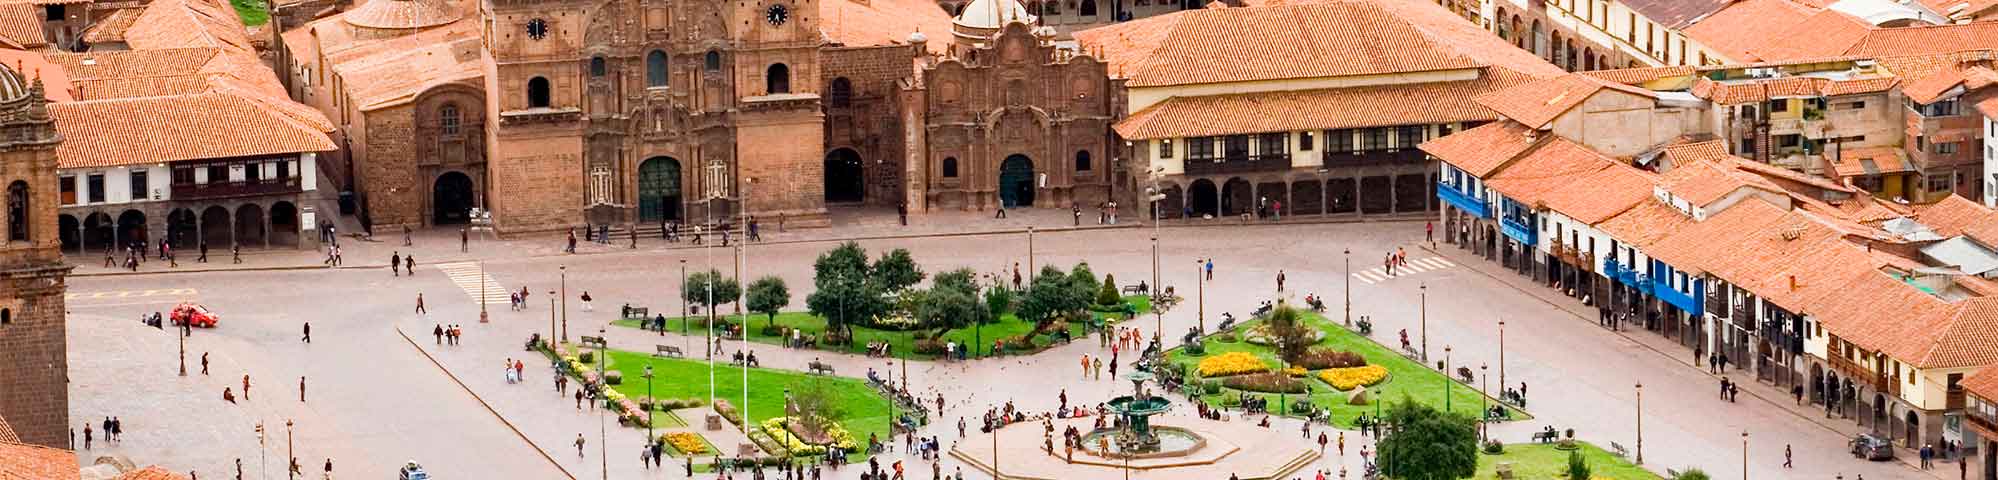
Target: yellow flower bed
[
  {"x": 687, "y": 443},
  {"x": 1350, "y": 378},
  {"x": 1294, "y": 371},
  {"x": 1231, "y": 363}
]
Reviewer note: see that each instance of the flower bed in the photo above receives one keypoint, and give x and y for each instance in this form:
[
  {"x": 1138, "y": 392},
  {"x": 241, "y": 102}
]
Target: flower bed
[
  {"x": 1231, "y": 363},
  {"x": 781, "y": 433},
  {"x": 688, "y": 443},
  {"x": 1323, "y": 358},
  {"x": 1265, "y": 383},
  {"x": 1350, "y": 378}
]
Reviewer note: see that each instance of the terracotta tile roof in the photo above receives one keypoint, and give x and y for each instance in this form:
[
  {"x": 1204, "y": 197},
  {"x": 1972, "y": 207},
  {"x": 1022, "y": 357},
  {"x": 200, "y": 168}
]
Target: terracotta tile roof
[
  {"x": 1574, "y": 180},
  {"x": 21, "y": 25},
  {"x": 1928, "y": 77},
  {"x": 885, "y": 22},
  {"x": 394, "y": 73},
  {"x": 1928, "y": 39},
  {"x": 1326, "y": 39},
  {"x": 189, "y": 23},
  {"x": 99, "y": 65},
  {"x": 1955, "y": 215},
  {"x": 153, "y": 472},
  {"x": 1538, "y": 102},
  {"x": 1923, "y": 331},
  {"x": 1747, "y": 25},
  {"x": 1734, "y": 92},
  {"x": 1827, "y": 33},
  {"x": 219, "y": 124},
  {"x": 111, "y": 29},
  {"x": 1870, "y": 161},
  {"x": 1482, "y": 150},
  {"x": 403, "y": 14},
  {"x": 1645, "y": 224},
  {"x": 1309, "y": 110},
  {"x": 56, "y": 85},
  {"x": 1697, "y": 152},
  {"x": 1988, "y": 107},
  {"x": 29, "y": 462},
  {"x": 1782, "y": 175},
  {"x": 173, "y": 71},
  {"x": 1638, "y": 76},
  {"x": 1701, "y": 183},
  {"x": 1984, "y": 383},
  {"x": 1674, "y": 14}
]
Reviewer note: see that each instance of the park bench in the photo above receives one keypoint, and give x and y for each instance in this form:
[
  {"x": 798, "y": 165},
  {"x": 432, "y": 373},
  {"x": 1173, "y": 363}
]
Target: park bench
[
  {"x": 1133, "y": 290},
  {"x": 1620, "y": 451},
  {"x": 819, "y": 368},
  {"x": 639, "y": 313},
  {"x": 669, "y": 351},
  {"x": 598, "y": 341},
  {"x": 1545, "y": 436}
]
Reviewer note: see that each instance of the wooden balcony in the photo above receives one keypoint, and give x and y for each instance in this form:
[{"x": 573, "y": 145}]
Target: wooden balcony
[
  {"x": 203, "y": 191},
  {"x": 1368, "y": 158},
  {"x": 1955, "y": 400}
]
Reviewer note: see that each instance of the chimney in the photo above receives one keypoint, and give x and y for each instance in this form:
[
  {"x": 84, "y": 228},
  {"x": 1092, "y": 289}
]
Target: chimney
[{"x": 1793, "y": 282}]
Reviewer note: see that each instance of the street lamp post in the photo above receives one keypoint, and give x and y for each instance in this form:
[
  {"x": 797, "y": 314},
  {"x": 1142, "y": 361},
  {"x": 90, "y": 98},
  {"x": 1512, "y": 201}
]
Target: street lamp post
[
  {"x": 683, "y": 300},
  {"x": 1501, "y": 340},
  {"x": 1200, "y": 278},
  {"x": 565, "y": 302},
  {"x": 289, "y": 469},
  {"x": 1349, "y": 287},
  {"x": 1484, "y": 399},
  {"x": 1158, "y": 320},
  {"x": 603, "y": 434},
  {"x": 1030, "y": 256},
  {"x": 263, "y": 453},
  {"x": 652, "y": 403},
  {"x": 551, "y": 322},
  {"x": 183, "y": 348},
  {"x": 1424, "y": 311},
  {"x": 1640, "y": 423},
  {"x": 483, "y": 317},
  {"x": 1446, "y": 378},
  {"x": 1744, "y": 455}
]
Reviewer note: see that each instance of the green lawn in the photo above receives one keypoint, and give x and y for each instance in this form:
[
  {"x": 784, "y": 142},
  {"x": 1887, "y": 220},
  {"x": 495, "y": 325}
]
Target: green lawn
[
  {"x": 1543, "y": 461},
  {"x": 1405, "y": 377},
  {"x": 252, "y": 11},
  {"x": 1008, "y": 326},
  {"x": 866, "y": 410}
]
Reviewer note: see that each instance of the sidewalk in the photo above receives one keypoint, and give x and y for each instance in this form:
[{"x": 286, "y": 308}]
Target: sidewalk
[{"x": 1665, "y": 347}]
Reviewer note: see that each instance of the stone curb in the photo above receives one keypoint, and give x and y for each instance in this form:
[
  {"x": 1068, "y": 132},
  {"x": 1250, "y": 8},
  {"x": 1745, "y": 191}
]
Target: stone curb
[{"x": 482, "y": 402}]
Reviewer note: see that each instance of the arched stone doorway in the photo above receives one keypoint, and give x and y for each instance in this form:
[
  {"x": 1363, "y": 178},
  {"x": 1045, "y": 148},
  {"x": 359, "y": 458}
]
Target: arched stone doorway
[
  {"x": 1914, "y": 428},
  {"x": 1203, "y": 199},
  {"x": 69, "y": 231},
  {"x": 181, "y": 228},
  {"x": 132, "y": 229},
  {"x": 250, "y": 226},
  {"x": 284, "y": 224},
  {"x": 1016, "y": 181},
  {"x": 98, "y": 230},
  {"x": 215, "y": 226},
  {"x": 659, "y": 189},
  {"x": 846, "y": 180},
  {"x": 1237, "y": 197},
  {"x": 451, "y": 199},
  {"x": 1170, "y": 205}
]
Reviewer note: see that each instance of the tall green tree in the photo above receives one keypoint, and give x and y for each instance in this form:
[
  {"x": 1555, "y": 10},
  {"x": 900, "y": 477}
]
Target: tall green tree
[
  {"x": 1052, "y": 294},
  {"x": 767, "y": 295},
  {"x": 948, "y": 308},
  {"x": 1107, "y": 294},
  {"x": 963, "y": 280},
  {"x": 998, "y": 301},
  {"x": 1289, "y": 334},
  {"x": 1578, "y": 467},
  {"x": 897, "y": 270},
  {"x": 695, "y": 290},
  {"x": 845, "y": 292},
  {"x": 1083, "y": 280},
  {"x": 1426, "y": 444}
]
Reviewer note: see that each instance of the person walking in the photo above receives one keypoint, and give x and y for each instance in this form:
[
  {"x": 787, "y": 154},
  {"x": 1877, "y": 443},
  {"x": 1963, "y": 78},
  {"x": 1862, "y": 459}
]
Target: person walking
[
  {"x": 204, "y": 363},
  {"x": 204, "y": 253},
  {"x": 579, "y": 399},
  {"x": 308, "y": 333},
  {"x": 246, "y": 386},
  {"x": 1085, "y": 366},
  {"x": 301, "y": 389},
  {"x": 1097, "y": 368},
  {"x": 1429, "y": 232},
  {"x": 395, "y": 264},
  {"x": 1279, "y": 279},
  {"x": 419, "y": 303},
  {"x": 409, "y": 264},
  {"x": 902, "y": 212},
  {"x": 465, "y": 239},
  {"x": 579, "y": 445},
  {"x": 587, "y": 306},
  {"x": 236, "y": 254},
  {"x": 572, "y": 242},
  {"x": 438, "y": 331},
  {"x": 87, "y": 436},
  {"x": 406, "y": 241},
  {"x": 1786, "y": 456},
  {"x": 1210, "y": 269}
]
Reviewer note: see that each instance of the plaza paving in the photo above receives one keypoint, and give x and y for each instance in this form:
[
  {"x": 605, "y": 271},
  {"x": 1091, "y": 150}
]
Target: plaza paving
[{"x": 376, "y": 399}]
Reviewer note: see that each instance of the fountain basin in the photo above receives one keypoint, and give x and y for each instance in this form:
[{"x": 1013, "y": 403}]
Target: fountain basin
[{"x": 1172, "y": 442}]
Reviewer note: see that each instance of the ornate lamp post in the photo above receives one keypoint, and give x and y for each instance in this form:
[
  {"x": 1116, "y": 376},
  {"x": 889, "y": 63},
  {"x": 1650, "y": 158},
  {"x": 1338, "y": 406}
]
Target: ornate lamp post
[
  {"x": 1484, "y": 400},
  {"x": 483, "y": 318},
  {"x": 1349, "y": 287},
  {"x": 654, "y": 403},
  {"x": 1744, "y": 455},
  {"x": 1446, "y": 378},
  {"x": 1501, "y": 340},
  {"x": 565, "y": 302},
  {"x": 1640, "y": 423},
  {"x": 289, "y": 469},
  {"x": 1424, "y": 296}
]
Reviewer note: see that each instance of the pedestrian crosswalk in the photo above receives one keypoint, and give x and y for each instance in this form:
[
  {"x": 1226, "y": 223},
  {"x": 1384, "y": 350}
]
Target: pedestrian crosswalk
[
  {"x": 1379, "y": 274},
  {"x": 162, "y": 292},
  {"x": 475, "y": 282}
]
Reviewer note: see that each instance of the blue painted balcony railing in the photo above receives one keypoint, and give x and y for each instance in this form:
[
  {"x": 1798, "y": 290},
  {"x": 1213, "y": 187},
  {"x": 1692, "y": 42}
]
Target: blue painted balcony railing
[
  {"x": 1462, "y": 200},
  {"x": 1627, "y": 276},
  {"x": 1518, "y": 231},
  {"x": 1690, "y": 303}
]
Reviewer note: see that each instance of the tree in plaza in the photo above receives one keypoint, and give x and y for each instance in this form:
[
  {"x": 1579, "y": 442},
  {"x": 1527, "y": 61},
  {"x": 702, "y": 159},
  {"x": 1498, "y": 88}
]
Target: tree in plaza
[
  {"x": 944, "y": 308},
  {"x": 963, "y": 280},
  {"x": 846, "y": 291},
  {"x": 896, "y": 270},
  {"x": 1051, "y": 295},
  {"x": 998, "y": 301},
  {"x": 1426, "y": 444},
  {"x": 1578, "y": 467},
  {"x": 1107, "y": 295},
  {"x": 695, "y": 290},
  {"x": 816, "y": 404},
  {"x": 1084, "y": 282},
  {"x": 1289, "y": 333},
  {"x": 767, "y": 295}
]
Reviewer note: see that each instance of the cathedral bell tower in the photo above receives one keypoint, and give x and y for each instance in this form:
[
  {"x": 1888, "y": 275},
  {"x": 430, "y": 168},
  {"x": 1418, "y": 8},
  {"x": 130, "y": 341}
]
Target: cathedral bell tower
[
  {"x": 34, "y": 365},
  {"x": 780, "y": 129}
]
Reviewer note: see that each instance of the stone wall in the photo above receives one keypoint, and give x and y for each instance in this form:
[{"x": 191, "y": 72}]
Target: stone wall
[
  {"x": 538, "y": 182},
  {"x": 869, "y": 120}
]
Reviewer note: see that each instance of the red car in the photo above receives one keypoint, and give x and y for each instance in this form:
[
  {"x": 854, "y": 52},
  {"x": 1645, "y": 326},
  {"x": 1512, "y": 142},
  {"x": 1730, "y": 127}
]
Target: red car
[{"x": 194, "y": 314}]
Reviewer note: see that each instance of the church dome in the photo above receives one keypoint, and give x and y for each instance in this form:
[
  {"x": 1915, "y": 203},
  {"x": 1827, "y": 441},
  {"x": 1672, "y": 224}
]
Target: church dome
[
  {"x": 404, "y": 14},
  {"x": 990, "y": 14},
  {"x": 12, "y": 86}
]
